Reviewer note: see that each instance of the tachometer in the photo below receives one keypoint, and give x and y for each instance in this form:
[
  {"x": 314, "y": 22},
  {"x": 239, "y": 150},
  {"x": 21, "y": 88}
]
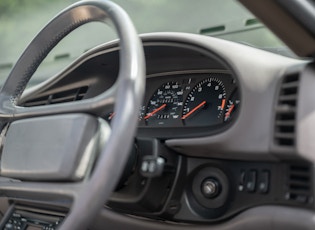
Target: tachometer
[
  {"x": 165, "y": 105},
  {"x": 205, "y": 103}
]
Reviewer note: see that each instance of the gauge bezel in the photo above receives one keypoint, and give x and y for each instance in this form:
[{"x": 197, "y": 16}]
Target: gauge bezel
[
  {"x": 198, "y": 75},
  {"x": 203, "y": 96}
]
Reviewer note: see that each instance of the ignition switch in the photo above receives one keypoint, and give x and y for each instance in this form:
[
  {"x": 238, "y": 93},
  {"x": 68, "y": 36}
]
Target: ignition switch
[{"x": 210, "y": 188}]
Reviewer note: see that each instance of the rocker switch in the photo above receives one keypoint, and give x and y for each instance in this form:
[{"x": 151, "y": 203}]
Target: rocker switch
[
  {"x": 251, "y": 181},
  {"x": 264, "y": 182}
]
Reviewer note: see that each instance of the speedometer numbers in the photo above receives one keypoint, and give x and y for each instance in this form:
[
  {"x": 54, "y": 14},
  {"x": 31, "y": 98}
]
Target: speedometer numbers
[
  {"x": 165, "y": 105},
  {"x": 205, "y": 103}
]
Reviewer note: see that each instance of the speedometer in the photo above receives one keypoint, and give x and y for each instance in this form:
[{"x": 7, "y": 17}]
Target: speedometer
[
  {"x": 205, "y": 103},
  {"x": 165, "y": 105}
]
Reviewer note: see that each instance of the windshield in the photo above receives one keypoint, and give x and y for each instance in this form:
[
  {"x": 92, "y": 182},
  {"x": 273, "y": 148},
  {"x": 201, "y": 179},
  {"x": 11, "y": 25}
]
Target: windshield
[{"x": 21, "y": 20}]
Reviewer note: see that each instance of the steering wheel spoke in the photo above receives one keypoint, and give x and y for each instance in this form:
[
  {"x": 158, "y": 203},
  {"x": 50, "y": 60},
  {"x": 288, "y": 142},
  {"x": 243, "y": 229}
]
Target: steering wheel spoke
[{"x": 98, "y": 106}]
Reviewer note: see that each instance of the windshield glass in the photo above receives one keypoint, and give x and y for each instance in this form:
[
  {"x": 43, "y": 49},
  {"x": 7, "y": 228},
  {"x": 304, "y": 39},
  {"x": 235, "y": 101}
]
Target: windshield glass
[{"x": 21, "y": 20}]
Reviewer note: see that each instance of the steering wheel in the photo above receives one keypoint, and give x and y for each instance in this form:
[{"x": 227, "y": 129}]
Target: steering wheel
[{"x": 87, "y": 193}]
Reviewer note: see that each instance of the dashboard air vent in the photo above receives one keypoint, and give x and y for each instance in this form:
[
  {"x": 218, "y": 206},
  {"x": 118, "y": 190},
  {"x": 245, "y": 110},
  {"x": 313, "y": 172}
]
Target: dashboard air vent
[
  {"x": 299, "y": 184},
  {"x": 75, "y": 94},
  {"x": 286, "y": 111}
]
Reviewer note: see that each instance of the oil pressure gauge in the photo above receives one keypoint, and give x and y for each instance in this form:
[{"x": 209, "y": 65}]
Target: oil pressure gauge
[{"x": 205, "y": 103}]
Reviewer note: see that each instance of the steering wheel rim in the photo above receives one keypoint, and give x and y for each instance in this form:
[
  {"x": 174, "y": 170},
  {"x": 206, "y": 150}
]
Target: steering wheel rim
[{"x": 127, "y": 93}]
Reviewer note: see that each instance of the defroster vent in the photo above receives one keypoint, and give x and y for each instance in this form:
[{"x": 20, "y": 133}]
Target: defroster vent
[
  {"x": 75, "y": 94},
  {"x": 286, "y": 111}
]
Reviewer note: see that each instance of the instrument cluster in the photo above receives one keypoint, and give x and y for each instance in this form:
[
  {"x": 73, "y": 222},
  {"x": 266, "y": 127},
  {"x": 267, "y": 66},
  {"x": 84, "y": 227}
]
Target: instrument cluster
[{"x": 190, "y": 99}]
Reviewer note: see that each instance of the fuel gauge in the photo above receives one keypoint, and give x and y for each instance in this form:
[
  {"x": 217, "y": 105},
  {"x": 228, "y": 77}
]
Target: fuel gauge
[{"x": 231, "y": 106}]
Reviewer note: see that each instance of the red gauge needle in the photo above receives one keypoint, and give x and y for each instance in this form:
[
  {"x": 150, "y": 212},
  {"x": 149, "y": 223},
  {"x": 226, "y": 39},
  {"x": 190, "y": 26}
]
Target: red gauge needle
[
  {"x": 194, "y": 110},
  {"x": 154, "y": 112},
  {"x": 228, "y": 113},
  {"x": 223, "y": 104},
  {"x": 111, "y": 116}
]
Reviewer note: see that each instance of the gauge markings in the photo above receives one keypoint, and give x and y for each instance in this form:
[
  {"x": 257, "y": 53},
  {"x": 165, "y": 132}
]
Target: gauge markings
[
  {"x": 208, "y": 97},
  {"x": 165, "y": 105},
  {"x": 228, "y": 113},
  {"x": 210, "y": 101},
  {"x": 194, "y": 110},
  {"x": 231, "y": 106},
  {"x": 154, "y": 111}
]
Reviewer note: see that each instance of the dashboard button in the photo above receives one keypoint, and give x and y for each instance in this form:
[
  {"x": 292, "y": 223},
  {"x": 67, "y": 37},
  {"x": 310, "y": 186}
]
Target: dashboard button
[
  {"x": 241, "y": 181},
  {"x": 264, "y": 182},
  {"x": 152, "y": 166},
  {"x": 251, "y": 181}
]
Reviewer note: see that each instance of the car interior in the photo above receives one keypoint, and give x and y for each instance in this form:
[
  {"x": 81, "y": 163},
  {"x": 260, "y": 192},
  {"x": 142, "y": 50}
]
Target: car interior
[{"x": 162, "y": 130}]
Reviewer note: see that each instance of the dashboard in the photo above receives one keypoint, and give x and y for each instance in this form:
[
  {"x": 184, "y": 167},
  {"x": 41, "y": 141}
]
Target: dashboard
[
  {"x": 223, "y": 139},
  {"x": 193, "y": 93},
  {"x": 216, "y": 130}
]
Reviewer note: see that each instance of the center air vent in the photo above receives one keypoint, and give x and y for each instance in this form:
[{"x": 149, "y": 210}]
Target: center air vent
[
  {"x": 299, "y": 184},
  {"x": 286, "y": 111},
  {"x": 75, "y": 94}
]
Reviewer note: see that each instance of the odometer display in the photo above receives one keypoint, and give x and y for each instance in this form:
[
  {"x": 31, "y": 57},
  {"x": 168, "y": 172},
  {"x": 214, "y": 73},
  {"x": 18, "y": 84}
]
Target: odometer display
[
  {"x": 165, "y": 105},
  {"x": 205, "y": 103}
]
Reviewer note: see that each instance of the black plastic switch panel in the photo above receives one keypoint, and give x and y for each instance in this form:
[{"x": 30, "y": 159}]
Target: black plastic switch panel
[{"x": 251, "y": 181}]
